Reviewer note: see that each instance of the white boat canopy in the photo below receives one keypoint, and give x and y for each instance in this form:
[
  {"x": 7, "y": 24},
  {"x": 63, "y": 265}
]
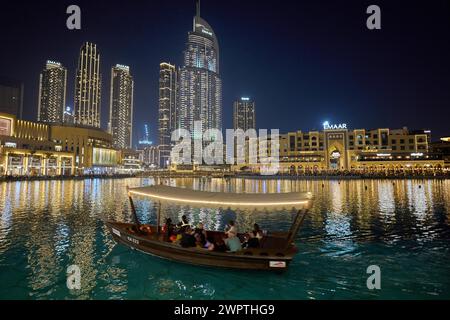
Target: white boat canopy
[{"x": 225, "y": 200}]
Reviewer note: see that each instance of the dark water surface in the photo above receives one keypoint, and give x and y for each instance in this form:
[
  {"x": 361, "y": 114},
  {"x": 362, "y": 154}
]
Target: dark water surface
[{"x": 402, "y": 226}]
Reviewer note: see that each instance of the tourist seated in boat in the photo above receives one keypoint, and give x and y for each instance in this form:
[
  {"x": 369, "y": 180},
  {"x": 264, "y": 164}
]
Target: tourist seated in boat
[
  {"x": 183, "y": 224},
  {"x": 210, "y": 244},
  {"x": 168, "y": 230},
  {"x": 253, "y": 237},
  {"x": 201, "y": 232},
  {"x": 220, "y": 246},
  {"x": 232, "y": 241},
  {"x": 142, "y": 229},
  {"x": 233, "y": 244},
  {"x": 231, "y": 229},
  {"x": 187, "y": 238},
  {"x": 200, "y": 241}
]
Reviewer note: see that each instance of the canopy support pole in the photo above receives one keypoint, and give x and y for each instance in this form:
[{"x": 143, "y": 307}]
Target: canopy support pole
[
  {"x": 158, "y": 220},
  {"x": 296, "y": 226},
  {"x": 133, "y": 211}
]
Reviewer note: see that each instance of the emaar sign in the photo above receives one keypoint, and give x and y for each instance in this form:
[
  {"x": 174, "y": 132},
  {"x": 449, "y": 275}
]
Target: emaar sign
[{"x": 328, "y": 126}]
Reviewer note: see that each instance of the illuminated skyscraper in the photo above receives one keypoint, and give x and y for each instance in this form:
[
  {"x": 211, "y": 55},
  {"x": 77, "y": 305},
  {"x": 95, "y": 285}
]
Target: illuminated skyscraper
[
  {"x": 121, "y": 107},
  {"x": 145, "y": 140},
  {"x": 88, "y": 87},
  {"x": 52, "y": 93},
  {"x": 200, "y": 83},
  {"x": 167, "y": 109},
  {"x": 68, "y": 117},
  {"x": 244, "y": 114}
]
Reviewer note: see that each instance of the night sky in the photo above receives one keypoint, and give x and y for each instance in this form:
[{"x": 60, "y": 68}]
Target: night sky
[{"x": 303, "y": 62}]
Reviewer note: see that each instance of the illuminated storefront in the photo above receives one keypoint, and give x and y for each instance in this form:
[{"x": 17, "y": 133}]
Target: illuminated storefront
[{"x": 92, "y": 148}]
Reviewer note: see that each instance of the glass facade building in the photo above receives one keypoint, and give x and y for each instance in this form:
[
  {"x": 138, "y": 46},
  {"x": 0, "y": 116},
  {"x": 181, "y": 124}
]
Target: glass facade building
[
  {"x": 121, "y": 107},
  {"x": 244, "y": 114},
  {"x": 88, "y": 87},
  {"x": 200, "y": 82},
  {"x": 168, "y": 96},
  {"x": 52, "y": 93}
]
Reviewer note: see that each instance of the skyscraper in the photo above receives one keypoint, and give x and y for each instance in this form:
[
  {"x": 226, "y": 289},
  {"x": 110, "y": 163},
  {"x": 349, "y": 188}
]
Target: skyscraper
[
  {"x": 11, "y": 97},
  {"x": 244, "y": 114},
  {"x": 68, "y": 117},
  {"x": 121, "y": 107},
  {"x": 200, "y": 83},
  {"x": 88, "y": 87},
  {"x": 167, "y": 109},
  {"x": 52, "y": 93},
  {"x": 145, "y": 138}
]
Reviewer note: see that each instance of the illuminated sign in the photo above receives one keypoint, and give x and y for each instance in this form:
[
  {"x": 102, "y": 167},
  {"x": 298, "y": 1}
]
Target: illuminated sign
[
  {"x": 5, "y": 127},
  {"x": 383, "y": 154},
  {"x": 245, "y": 99},
  {"x": 328, "y": 126},
  {"x": 104, "y": 157},
  {"x": 10, "y": 145},
  {"x": 419, "y": 154},
  {"x": 53, "y": 63},
  {"x": 335, "y": 155},
  {"x": 123, "y": 67}
]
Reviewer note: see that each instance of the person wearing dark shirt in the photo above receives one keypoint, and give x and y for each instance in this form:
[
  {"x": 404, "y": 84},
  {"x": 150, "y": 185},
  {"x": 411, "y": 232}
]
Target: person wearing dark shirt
[
  {"x": 167, "y": 229},
  {"x": 254, "y": 237},
  {"x": 220, "y": 246},
  {"x": 187, "y": 238},
  {"x": 183, "y": 224},
  {"x": 201, "y": 232}
]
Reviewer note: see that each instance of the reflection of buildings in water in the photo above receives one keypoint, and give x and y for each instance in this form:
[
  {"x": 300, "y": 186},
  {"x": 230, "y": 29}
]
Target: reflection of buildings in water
[
  {"x": 336, "y": 197},
  {"x": 419, "y": 200},
  {"x": 6, "y": 212},
  {"x": 338, "y": 222},
  {"x": 82, "y": 253},
  {"x": 343, "y": 204},
  {"x": 400, "y": 197},
  {"x": 386, "y": 201},
  {"x": 42, "y": 261},
  {"x": 441, "y": 193}
]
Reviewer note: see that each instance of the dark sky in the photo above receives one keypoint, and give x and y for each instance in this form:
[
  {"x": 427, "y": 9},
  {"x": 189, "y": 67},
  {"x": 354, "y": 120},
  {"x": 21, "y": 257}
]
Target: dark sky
[{"x": 303, "y": 62}]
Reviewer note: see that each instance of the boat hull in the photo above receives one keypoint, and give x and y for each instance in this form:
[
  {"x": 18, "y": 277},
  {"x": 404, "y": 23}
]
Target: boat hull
[{"x": 251, "y": 259}]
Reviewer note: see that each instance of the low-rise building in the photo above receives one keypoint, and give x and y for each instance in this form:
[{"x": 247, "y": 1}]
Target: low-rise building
[
  {"x": 150, "y": 156},
  {"x": 27, "y": 150},
  {"x": 442, "y": 147},
  {"x": 337, "y": 148},
  {"x": 92, "y": 148},
  {"x": 130, "y": 161}
]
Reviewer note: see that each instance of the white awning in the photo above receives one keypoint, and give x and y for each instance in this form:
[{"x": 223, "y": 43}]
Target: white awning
[{"x": 225, "y": 200}]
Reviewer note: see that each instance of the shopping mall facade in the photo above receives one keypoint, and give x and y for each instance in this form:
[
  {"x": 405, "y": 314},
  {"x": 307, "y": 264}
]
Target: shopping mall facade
[
  {"x": 338, "y": 148},
  {"x": 35, "y": 149}
]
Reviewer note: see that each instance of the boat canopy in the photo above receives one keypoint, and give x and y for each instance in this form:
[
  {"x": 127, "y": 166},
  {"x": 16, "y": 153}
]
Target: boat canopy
[{"x": 225, "y": 200}]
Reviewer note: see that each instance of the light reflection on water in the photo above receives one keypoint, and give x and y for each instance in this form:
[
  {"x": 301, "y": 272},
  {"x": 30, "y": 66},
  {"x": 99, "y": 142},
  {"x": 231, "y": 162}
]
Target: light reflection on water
[{"x": 400, "y": 225}]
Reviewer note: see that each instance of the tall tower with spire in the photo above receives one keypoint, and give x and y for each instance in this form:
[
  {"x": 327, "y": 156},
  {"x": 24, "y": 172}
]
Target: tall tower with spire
[{"x": 200, "y": 83}]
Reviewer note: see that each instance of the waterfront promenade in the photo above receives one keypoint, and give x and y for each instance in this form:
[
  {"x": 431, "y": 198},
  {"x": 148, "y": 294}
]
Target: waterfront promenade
[{"x": 227, "y": 175}]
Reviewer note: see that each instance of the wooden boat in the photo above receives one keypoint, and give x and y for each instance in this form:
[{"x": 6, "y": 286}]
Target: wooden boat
[{"x": 276, "y": 249}]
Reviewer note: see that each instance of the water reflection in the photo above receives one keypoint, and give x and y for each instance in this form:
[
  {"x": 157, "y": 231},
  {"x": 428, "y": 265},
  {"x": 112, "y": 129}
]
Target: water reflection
[{"x": 45, "y": 226}]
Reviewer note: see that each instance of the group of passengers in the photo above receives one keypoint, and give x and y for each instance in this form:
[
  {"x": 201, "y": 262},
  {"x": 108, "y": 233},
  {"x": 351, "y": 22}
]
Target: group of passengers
[{"x": 188, "y": 236}]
